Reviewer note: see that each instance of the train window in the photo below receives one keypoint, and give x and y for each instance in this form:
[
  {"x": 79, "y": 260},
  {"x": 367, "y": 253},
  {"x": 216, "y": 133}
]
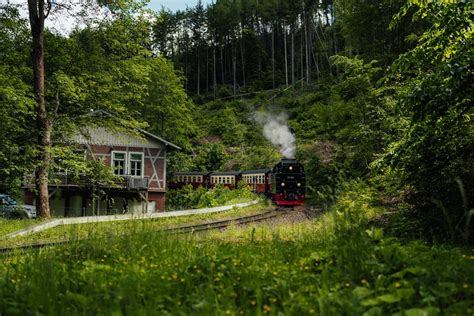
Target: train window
[{"x": 194, "y": 179}]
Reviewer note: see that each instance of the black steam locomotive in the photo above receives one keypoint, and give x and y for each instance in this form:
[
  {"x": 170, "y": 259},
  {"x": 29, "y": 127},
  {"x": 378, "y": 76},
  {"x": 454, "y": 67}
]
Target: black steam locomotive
[
  {"x": 288, "y": 183},
  {"x": 285, "y": 183}
]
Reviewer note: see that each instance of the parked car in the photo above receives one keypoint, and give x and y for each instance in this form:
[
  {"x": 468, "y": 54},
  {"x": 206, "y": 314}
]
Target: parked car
[{"x": 9, "y": 208}]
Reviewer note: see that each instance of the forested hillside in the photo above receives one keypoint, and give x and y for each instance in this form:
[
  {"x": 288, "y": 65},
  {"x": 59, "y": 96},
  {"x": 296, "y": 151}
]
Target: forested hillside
[{"x": 377, "y": 92}]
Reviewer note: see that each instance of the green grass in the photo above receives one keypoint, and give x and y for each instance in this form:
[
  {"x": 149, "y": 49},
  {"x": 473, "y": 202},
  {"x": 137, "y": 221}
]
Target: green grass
[
  {"x": 115, "y": 228},
  {"x": 336, "y": 265},
  {"x": 11, "y": 225}
]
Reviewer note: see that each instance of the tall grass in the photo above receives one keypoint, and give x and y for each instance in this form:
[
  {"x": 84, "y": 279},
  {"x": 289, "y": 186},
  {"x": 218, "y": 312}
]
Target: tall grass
[{"x": 336, "y": 265}]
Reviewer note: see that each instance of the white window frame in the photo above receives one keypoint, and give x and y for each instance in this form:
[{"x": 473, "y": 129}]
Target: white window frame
[
  {"x": 125, "y": 165},
  {"x": 129, "y": 163}
]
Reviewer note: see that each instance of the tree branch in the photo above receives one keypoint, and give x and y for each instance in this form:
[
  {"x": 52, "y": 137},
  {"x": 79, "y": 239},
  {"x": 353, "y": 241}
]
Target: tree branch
[{"x": 48, "y": 9}]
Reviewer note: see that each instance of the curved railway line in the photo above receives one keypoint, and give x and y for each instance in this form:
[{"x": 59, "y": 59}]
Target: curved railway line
[{"x": 221, "y": 224}]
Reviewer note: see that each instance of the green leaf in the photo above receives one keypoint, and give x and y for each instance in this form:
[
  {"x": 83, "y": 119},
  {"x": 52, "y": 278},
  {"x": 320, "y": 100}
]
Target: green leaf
[{"x": 361, "y": 292}]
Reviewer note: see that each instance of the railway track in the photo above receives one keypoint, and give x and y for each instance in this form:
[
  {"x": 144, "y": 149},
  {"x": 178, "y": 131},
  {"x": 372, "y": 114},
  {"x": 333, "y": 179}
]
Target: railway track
[
  {"x": 224, "y": 223},
  {"x": 174, "y": 230}
]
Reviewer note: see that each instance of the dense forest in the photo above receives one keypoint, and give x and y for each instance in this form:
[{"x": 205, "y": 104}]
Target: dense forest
[{"x": 376, "y": 92}]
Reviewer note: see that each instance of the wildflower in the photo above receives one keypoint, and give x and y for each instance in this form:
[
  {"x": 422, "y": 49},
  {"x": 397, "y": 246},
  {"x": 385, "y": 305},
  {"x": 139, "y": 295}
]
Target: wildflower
[
  {"x": 266, "y": 308},
  {"x": 347, "y": 285},
  {"x": 228, "y": 312},
  {"x": 253, "y": 302},
  {"x": 311, "y": 311},
  {"x": 397, "y": 284},
  {"x": 465, "y": 285}
]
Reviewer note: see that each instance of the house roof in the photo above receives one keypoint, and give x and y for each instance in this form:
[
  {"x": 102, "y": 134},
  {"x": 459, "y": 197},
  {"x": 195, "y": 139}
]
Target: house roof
[{"x": 118, "y": 138}]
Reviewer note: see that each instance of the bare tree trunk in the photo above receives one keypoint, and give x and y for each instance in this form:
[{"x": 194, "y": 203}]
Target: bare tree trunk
[
  {"x": 234, "y": 68},
  {"x": 214, "y": 79},
  {"x": 273, "y": 55},
  {"x": 37, "y": 16},
  {"x": 207, "y": 69},
  {"x": 293, "y": 57},
  {"x": 222, "y": 65},
  {"x": 242, "y": 58},
  {"x": 334, "y": 39},
  {"x": 199, "y": 78},
  {"x": 286, "y": 55},
  {"x": 302, "y": 59},
  {"x": 305, "y": 25}
]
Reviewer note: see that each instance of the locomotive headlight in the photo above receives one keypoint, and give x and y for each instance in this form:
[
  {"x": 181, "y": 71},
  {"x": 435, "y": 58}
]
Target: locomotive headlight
[
  {"x": 283, "y": 184},
  {"x": 291, "y": 168},
  {"x": 299, "y": 184}
]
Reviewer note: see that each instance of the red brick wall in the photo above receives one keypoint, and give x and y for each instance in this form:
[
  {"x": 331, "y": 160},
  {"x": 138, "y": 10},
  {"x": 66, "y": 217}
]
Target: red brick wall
[
  {"x": 105, "y": 152},
  {"x": 159, "y": 199}
]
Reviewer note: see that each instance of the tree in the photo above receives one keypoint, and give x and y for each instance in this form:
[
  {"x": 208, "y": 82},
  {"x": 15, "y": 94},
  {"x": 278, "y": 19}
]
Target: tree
[
  {"x": 47, "y": 110},
  {"x": 16, "y": 104},
  {"x": 434, "y": 155}
]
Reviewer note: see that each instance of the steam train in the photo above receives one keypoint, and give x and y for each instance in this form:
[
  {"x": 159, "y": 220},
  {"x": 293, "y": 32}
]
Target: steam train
[{"x": 285, "y": 183}]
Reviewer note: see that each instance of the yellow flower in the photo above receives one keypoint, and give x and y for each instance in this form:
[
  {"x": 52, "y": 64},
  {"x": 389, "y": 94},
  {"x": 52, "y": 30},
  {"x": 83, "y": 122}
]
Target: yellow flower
[
  {"x": 311, "y": 311},
  {"x": 397, "y": 285},
  {"x": 253, "y": 302},
  {"x": 266, "y": 308},
  {"x": 465, "y": 285}
]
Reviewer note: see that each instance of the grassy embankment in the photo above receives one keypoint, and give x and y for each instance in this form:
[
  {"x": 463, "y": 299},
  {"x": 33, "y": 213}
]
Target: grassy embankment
[
  {"x": 335, "y": 265},
  {"x": 77, "y": 232},
  {"x": 186, "y": 198}
]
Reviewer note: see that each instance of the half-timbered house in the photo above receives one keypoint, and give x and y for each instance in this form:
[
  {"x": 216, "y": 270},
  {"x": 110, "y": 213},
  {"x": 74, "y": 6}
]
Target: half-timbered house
[{"x": 139, "y": 160}]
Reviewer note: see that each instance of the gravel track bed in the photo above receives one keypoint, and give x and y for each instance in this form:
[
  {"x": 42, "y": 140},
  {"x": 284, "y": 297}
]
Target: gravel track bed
[{"x": 298, "y": 214}]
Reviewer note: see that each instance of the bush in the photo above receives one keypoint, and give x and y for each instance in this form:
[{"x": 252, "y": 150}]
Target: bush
[{"x": 187, "y": 197}]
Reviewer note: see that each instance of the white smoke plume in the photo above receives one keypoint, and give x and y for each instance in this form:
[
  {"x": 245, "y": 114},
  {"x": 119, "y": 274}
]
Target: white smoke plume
[{"x": 276, "y": 130}]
